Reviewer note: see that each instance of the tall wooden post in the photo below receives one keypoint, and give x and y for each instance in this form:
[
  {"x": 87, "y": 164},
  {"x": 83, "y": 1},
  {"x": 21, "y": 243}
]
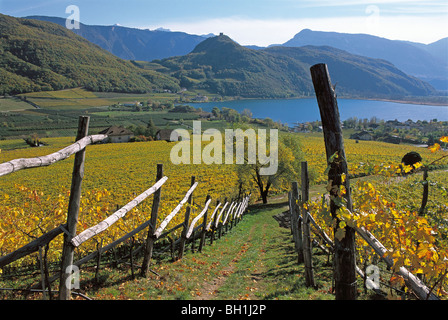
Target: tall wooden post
[
  {"x": 344, "y": 253},
  {"x": 183, "y": 237},
  {"x": 152, "y": 226},
  {"x": 307, "y": 249},
  {"x": 297, "y": 222},
  {"x": 73, "y": 211}
]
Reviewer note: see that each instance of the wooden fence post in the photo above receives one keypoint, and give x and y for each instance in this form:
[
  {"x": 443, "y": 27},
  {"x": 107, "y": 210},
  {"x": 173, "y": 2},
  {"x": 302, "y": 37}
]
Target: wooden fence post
[
  {"x": 150, "y": 239},
  {"x": 213, "y": 225},
  {"x": 297, "y": 223},
  {"x": 183, "y": 237},
  {"x": 307, "y": 249},
  {"x": 344, "y": 253},
  {"x": 73, "y": 211},
  {"x": 42, "y": 274},
  {"x": 291, "y": 212},
  {"x": 204, "y": 226}
]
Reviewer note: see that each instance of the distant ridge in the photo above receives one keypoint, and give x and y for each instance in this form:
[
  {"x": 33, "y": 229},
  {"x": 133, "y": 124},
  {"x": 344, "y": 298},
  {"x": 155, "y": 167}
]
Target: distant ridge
[
  {"x": 134, "y": 44},
  {"x": 222, "y": 66},
  {"x": 41, "y": 56},
  {"x": 427, "y": 62}
]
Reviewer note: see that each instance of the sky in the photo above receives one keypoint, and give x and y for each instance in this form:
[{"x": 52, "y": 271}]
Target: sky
[{"x": 255, "y": 22}]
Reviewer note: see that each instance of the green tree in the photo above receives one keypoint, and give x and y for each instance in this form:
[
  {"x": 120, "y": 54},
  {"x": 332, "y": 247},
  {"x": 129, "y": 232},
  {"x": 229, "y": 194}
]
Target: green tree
[
  {"x": 216, "y": 112},
  {"x": 151, "y": 129},
  {"x": 289, "y": 158}
]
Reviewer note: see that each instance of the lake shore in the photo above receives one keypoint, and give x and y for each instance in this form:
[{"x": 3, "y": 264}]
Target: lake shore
[
  {"x": 306, "y": 109},
  {"x": 422, "y": 103},
  {"x": 404, "y": 101}
]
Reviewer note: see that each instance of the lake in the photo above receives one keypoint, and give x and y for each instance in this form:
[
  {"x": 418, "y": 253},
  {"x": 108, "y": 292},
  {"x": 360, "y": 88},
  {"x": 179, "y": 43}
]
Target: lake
[{"x": 303, "y": 110}]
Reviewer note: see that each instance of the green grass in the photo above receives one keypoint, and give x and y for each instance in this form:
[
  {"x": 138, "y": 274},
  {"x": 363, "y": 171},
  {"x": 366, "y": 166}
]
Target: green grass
[
  {"x": 13, "y": 144},
  {"x": 13, "y": 104},
  {"x": 254, "y": 260}
]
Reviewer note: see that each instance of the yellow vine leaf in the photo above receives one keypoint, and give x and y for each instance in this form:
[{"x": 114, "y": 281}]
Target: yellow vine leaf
[{"x": 435, "y": 147}]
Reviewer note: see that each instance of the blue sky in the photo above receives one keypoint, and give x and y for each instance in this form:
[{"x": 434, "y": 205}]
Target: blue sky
[{"x": 259, "y": 22}]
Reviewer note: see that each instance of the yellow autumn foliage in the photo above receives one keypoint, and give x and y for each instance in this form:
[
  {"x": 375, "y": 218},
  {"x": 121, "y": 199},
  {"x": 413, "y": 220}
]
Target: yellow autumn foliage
[{"x": 35, "y": 201}]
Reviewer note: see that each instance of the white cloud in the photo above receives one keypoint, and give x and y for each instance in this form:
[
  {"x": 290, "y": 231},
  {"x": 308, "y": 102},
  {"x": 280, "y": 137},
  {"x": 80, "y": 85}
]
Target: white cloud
[
  {"x": 265, "y": 32},
  {"x": 339, "y": 3}
]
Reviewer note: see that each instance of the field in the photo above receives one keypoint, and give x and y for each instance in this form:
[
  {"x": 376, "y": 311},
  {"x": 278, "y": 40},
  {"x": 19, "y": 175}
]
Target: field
[
  {"x": 55, "y": 113},
  {"x": 13, "y": 104},
  {"x": 364, "y": 157}
]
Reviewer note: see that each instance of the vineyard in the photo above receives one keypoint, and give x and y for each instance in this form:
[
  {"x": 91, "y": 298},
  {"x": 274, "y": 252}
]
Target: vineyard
[
  {"x": 42, "y": 232},
  {"x": 34, "y": 202},
  {"x": 387, "y": 199},
  {"x": 364, "y": 157}
]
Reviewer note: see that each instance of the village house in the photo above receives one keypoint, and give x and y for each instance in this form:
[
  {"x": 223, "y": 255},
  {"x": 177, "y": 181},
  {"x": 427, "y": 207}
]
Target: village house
[
  {"x": 117, "y": 134},
  {"x": 206, "y": 115},
  {"x": 200, "y": 98},
  {"x": 363, "y": 135},
  {"x": 165, "y": 134}
]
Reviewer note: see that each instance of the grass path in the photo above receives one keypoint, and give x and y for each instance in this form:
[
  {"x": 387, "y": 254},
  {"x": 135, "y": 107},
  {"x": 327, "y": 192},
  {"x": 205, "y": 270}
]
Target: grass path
[{"x": 254, "y": 260}]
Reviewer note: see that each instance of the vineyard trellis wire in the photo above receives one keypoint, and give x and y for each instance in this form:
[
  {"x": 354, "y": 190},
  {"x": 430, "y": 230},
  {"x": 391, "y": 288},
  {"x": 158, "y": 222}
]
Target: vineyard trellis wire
[{"x": 190, "y": 232}]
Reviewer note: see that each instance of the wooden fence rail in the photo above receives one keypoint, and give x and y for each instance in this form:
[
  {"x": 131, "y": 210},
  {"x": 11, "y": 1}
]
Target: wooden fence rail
[
  {"x": 199, "y": 216},
  {"x": 27, "y": 163},
  {"x": 414, "y": 283},
  {"x": 189, "y": 233},
  {"x": 109, "y": 221},
  {"x": 131, "y": 234},
  {"x": 169, "y": 217},
  {"x": 31, "y": 247}
]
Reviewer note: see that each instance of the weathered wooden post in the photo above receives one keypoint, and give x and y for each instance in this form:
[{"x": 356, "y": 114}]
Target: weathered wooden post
[
  {"x": 421, "y": 211},
  {"x": 42, "y": 274},
  {"x": 204, "y": 226},
  {"x": 221, "y": 213},
  {"x": 213, "y": 225},
  {"x": 99, "y": 248},
  {"x": 307, "y": 249},
  {"x": 290, "y": 211},
  {"x": 151, "y": 238},
  {"x": 183, "y": 237},
  {"x": 72, "y": 215},
  {"x": 297, "y": 222},
  {"x": 344, "y": 253}
]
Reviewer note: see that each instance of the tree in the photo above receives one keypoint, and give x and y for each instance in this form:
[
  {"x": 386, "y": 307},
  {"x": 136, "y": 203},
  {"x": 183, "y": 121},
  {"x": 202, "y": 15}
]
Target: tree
[
  {"x": 289, "y": 158},
  {"x": 151, "y": 129},
  {"x": 247, "y": 113},
  {"x": 216, "y": 112}
]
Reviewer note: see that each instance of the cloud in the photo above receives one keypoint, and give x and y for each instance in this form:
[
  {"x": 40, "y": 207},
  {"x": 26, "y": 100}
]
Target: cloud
[
  {"x": 263, "y": 32},
  {"x": 339, "y": 3}
]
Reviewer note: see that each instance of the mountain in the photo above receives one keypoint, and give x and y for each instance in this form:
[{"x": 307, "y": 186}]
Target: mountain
[
  {"x": 38, "y": 55},
  {"x": 134, "y": 44},
  {"x": 427, "y": 62},
  {"x": 222, "y": 66}
]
